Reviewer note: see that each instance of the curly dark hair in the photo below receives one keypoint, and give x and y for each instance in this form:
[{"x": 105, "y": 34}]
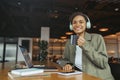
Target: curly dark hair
[{"x": 76, "y": 14}]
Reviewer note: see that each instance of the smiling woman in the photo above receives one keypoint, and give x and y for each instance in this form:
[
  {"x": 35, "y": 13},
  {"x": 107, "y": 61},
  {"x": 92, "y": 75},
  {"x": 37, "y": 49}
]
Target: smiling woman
[{"x": 89, "y": 53}]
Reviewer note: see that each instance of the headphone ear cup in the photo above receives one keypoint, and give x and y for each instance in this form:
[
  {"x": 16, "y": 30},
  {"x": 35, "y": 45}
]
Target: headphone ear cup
[
  {"x": 88, "y": 24},
  {"x": 70, "y": 26}
]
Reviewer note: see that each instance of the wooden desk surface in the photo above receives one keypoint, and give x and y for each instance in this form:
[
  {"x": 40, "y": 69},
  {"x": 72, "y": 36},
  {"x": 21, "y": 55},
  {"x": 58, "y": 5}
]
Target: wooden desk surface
[{"x": 7, "y": 66}]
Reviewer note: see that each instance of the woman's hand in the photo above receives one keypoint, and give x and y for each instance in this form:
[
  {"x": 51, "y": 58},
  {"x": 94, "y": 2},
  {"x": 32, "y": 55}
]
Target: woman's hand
[
  {"x": 81, "y": 41},
  {"x": 67, "y": 67}
]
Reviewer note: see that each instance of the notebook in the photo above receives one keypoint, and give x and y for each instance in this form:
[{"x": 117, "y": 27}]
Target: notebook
[
  {"x": 69, "y": 73},
  {"x": 28, "y": 61}
]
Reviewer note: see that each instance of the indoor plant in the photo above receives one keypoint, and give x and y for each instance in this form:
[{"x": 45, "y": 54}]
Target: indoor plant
[{"x": 43, "y": 50}]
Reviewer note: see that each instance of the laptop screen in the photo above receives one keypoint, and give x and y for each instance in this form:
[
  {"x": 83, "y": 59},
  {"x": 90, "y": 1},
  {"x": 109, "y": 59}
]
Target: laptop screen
[
  {"x": 26, "y": 56},
  {"x": 28, "y": 61}
]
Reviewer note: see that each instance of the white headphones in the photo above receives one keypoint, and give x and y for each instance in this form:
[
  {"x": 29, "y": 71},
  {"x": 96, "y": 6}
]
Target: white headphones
[{"x": 88, "y": 24}]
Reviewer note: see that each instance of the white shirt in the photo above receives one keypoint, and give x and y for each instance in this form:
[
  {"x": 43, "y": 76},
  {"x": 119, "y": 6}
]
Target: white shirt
[{"x": 78, "y": 57}]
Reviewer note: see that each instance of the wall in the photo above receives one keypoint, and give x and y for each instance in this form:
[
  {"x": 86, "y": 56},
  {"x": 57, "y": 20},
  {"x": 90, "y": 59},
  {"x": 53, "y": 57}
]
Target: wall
[{"x": 113, "y": 45}]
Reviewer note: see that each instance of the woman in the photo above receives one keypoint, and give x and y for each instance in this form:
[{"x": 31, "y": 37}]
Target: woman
[{"x": 90, "y": 46}]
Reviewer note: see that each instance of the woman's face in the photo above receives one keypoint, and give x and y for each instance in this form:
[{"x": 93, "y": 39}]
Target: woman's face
[{"x": 79, "y": 24}]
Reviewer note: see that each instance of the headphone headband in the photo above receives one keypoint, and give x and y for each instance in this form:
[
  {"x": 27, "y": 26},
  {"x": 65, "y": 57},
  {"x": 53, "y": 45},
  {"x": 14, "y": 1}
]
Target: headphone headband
[{"x": 88, "y": 23}]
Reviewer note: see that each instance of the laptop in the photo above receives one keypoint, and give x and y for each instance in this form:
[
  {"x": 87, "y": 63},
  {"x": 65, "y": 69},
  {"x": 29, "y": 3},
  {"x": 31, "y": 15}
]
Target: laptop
[{"x": 28, "y": 61}]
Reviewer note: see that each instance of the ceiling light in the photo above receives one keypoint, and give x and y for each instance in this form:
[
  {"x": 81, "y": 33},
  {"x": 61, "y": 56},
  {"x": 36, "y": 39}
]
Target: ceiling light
[
  {"x": 103, "y": 29},
  {"x": 19, "y": 3},
  {"x": 94, "y": 26},
  {"x": 116, "y": 9},
  {"x": 76, "y": 8},
  {"x": 55, "y": 11},
  {"x": 69, "y": 33},
  {"x": 63, "y": 37}
]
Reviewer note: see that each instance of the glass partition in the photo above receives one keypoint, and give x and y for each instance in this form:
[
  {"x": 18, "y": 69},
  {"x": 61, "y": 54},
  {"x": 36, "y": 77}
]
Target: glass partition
[
  {"x": 10, "y": 52},
  {"x": 1, "y": 49}
]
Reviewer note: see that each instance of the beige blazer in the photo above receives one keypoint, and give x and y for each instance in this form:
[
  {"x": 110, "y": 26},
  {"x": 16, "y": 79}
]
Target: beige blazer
[{"x": 94, "y": 56}]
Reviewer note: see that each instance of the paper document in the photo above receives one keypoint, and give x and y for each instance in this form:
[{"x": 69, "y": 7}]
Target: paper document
[{"x": 25, "y": 72}]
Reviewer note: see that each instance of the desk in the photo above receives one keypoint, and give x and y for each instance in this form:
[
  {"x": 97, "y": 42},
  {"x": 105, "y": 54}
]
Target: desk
[{"x": 7, "y": 66}]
